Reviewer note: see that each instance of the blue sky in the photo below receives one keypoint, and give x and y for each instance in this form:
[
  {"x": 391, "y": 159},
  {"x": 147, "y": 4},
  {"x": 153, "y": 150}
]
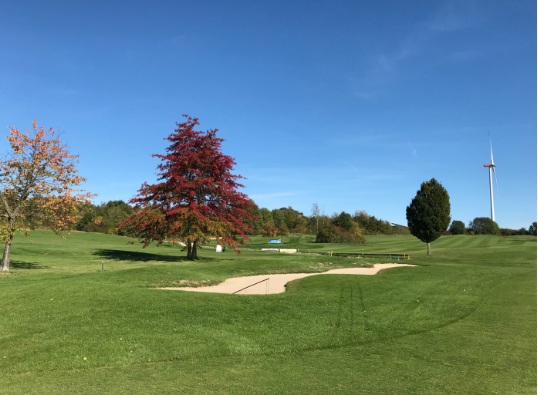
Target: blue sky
[{"x": 349, "y": 104}]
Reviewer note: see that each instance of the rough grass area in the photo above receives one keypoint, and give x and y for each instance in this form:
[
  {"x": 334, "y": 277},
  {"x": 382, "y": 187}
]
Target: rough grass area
[{"x": 463, "y": 322}]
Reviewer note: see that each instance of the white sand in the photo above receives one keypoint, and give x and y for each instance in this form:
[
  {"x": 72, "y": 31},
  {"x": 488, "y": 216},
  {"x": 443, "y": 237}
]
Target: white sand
[{"x": 277, "y": 282}]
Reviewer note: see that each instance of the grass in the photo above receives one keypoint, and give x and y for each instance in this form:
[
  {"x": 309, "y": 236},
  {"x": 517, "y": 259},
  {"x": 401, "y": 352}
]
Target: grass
[{"x": 462, "y": 322}]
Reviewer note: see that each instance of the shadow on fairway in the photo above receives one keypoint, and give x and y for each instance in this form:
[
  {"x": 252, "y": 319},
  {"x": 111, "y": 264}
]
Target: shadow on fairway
[
  {"x": 119, "y": 255},
  {"x": 26, "y": 265}
]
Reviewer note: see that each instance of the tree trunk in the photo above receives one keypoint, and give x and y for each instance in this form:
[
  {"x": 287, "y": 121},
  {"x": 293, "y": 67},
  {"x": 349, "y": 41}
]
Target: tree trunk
[
  {"x": 5, "y": 257},
  {"x": 191, "y": 250},
  {"x": 194, "y": 251},
  {"x": 429, "y": 250}
]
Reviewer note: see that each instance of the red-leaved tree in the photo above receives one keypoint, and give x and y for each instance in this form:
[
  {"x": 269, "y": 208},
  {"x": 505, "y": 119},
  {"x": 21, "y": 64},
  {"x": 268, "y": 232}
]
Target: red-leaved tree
[
  {"x": 37, "y": 181},
  {"x": 196, "y": 197}
]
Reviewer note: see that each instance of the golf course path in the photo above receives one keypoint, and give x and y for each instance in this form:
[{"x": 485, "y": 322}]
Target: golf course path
[{"x": 276, "y": 283}]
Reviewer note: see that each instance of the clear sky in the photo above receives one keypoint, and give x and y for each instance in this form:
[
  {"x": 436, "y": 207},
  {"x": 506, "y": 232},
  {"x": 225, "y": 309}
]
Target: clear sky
[{"x": 349, "y": 104}]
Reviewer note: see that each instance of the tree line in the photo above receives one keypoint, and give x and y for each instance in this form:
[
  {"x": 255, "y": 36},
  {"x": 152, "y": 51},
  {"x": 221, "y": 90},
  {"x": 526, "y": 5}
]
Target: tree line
[
  {"x": 338, "y": 226},
  {"x": 486, "y": 226},
  {"x": 107, "y": 217}
]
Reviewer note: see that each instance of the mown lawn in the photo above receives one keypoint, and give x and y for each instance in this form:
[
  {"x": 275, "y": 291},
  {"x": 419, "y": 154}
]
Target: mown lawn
[{"x": 462, "y": 322}]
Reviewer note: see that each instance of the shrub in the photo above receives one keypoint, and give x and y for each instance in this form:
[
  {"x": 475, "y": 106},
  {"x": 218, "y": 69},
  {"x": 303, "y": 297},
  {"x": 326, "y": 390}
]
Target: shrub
[
  {"x": 508, "y": 232},
  {"x": 327, "y": 234},
  {"x": 338, "y": 234}
]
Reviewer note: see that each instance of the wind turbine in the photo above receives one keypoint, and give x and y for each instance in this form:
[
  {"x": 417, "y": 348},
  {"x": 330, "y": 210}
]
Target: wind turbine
[{"x": 491, "y": 169}]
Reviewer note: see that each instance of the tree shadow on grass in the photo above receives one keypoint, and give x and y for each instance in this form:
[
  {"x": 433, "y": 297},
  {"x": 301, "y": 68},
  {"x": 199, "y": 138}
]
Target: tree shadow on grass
[
  {"x": 26, "y": 265},
  {"x": 133, "y": 256}
]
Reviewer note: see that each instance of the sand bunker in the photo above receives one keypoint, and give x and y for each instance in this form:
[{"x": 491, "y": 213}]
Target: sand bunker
[{"x": 276, "y": 283}]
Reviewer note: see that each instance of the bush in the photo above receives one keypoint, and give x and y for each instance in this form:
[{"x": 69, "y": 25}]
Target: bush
[
  {"x": 337, "y": 234},
  {"x": 508, "y": 232},
  {"x": 327, "y": 234}
]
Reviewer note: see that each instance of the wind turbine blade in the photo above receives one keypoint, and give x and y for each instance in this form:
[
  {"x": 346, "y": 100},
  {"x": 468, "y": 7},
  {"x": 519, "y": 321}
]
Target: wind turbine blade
[
  {"x": 491, "y": 146},
  {"x": 495, "y": 174}
]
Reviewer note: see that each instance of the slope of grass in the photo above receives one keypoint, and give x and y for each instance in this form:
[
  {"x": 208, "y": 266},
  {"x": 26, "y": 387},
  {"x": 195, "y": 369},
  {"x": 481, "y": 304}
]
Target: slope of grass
[{"x": 463, "y": 321}]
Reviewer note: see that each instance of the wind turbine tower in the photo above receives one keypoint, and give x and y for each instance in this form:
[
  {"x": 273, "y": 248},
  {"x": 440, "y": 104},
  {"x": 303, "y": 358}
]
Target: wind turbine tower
[{"x": 491, "y": 169}]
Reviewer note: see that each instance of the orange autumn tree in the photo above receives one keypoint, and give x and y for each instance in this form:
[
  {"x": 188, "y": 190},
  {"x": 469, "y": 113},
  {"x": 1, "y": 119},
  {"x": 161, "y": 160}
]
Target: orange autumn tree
[{"x": 37, "y": 180}]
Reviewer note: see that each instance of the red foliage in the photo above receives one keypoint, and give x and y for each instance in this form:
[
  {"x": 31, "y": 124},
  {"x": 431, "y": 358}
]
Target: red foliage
[{"x": 197, "y": 195}]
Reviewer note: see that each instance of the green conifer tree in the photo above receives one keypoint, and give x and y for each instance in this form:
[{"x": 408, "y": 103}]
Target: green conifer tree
[{"x": 428, "y": 215}]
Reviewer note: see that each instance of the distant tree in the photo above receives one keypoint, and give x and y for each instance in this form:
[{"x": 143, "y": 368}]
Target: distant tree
[
  {"x": 337, "y": 234},
  {"x": 291, "y": 217},
  {"x": 457, "y": 228},
  {"x": 315, "y": 214},
  {"x": 37, "y": 186},
  {"x": 484, "y": 226},
  {"x": 312, "y": 224},
  {"x": 372, "y": 225},
  {"x": 357, "y": 232},
  {"x": 269, "y": 230},
  {"x": 302, "y": 225},
  {"x": 266, "y": 217},
  {"x": 532, "y": 229},
  {"x": 197, "y": 195},
  {"x": 523, "y": 232},
  {"x": 256, "y": 222},
  {"x": 283, "y": 230},
  {"x": 428, "y": 215},
  {"x": 278, "y": 217},
  {"x": 104, "y": 218},
  {"x": 386, "y": 228},
  {"x": 344, "y": 220},
  {"x": 361, "y": 217},
  {"x": 85, "y": 219}
]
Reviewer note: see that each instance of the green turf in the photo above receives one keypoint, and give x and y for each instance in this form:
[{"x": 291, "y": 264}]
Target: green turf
[{"x": 462, "y": 322}]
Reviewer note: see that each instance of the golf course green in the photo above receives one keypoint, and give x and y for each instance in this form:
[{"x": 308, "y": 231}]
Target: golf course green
[{"x": 85, "y": 315}]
